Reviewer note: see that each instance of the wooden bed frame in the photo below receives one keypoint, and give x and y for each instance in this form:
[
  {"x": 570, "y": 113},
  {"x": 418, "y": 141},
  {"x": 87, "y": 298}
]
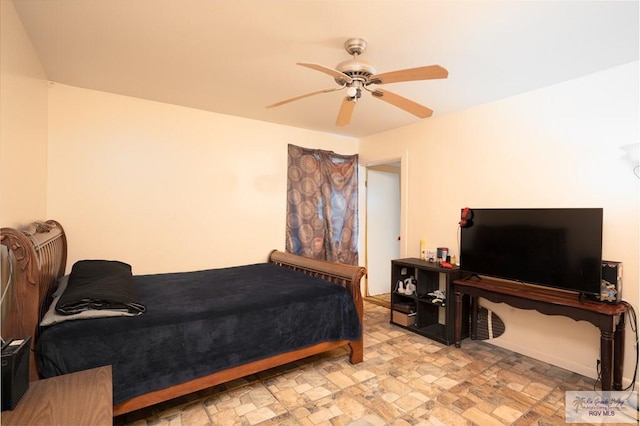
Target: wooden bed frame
[{"x": 39, "y": 255}]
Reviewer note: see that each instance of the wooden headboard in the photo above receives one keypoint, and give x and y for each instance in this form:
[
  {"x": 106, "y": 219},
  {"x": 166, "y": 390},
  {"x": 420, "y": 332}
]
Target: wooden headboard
[{"x": 38, "y": 257}]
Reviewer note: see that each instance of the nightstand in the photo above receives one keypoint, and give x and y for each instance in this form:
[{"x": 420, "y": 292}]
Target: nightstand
[{"x": 81, "y": 398}]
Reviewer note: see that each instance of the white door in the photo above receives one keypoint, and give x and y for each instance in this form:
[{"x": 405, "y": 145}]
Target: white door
[{"x": 383, "y": 227}]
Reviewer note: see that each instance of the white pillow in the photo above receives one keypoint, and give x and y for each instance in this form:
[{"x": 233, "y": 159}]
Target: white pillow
[{"x": 53, "y": 317}]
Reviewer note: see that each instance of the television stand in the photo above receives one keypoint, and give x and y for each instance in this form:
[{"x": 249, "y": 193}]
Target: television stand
[{"x": 609, "y": 318}]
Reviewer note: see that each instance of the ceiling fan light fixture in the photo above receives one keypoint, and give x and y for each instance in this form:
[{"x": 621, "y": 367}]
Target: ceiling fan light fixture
[{"x": 357, "y": 75}]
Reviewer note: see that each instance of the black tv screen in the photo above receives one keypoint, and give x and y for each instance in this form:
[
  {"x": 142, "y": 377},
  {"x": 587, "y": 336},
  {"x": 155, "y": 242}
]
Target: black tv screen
[{"x": 560, "y": 248}]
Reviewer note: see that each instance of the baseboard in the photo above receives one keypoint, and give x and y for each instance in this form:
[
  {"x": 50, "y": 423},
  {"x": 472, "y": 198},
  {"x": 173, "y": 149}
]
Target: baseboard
[
  {"x": 544, "y": 357},
  {"x": 558, "y": 362}
]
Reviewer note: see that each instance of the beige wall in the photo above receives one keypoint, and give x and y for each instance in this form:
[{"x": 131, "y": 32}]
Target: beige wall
[
  {"x": 555, "y": 147},
  {"x": 168, "y": 188},
  {"x": 165, "y": 187},
  {"x": 23, "y": 124}
]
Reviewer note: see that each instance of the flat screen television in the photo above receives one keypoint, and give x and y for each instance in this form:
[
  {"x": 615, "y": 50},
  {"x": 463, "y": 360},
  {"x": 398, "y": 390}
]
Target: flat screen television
[{"x": 560, "y": 248}]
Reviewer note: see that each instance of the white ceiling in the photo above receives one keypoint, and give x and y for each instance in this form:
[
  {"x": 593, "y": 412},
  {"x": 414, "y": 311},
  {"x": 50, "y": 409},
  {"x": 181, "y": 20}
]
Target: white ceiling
[{"x": 237, "y": 56}]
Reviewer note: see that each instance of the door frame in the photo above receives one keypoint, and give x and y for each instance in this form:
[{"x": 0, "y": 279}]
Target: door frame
[{"x": 404, "y": 173}]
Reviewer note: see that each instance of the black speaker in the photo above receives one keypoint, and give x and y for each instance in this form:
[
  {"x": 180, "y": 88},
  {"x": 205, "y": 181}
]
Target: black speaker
[
  {"x": 611, "y": 283},
  {"x": 15, "y": 371}
]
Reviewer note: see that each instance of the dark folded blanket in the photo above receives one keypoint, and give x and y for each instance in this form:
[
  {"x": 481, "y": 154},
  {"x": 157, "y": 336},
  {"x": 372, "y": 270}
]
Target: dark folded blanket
[{"x": 100, "y": 284}]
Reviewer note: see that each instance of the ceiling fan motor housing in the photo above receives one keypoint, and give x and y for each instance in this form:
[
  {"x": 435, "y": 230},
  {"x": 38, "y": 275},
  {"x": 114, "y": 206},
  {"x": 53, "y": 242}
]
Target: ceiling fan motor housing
[{"x": 356, "y": 69}]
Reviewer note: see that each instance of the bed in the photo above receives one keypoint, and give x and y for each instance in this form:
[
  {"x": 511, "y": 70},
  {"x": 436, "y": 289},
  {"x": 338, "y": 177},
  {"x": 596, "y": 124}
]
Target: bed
[{"x": 198, "y": 329}]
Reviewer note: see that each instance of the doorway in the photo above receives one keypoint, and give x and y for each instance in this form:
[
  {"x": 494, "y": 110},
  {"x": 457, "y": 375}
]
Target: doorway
[{"x": 382, "y": 229}]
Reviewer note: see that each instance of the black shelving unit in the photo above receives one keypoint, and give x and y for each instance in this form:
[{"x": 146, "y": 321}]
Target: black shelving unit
[{"x": 433, "y": 318}]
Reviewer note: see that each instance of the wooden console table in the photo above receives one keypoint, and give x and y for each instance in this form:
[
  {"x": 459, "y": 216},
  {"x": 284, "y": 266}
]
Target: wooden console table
[
  {"x": 609, "y": 318},
  {"x": 82, "y": 398}
]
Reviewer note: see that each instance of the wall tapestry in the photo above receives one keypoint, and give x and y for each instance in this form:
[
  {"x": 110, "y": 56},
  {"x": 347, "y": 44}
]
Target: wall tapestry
[{"x": 322, "y": 205}]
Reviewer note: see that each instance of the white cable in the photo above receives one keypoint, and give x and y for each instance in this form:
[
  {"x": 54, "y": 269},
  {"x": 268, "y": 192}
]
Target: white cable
[
  {"x": 9, "y": 281},
  {"x": 6, "y": 289}
]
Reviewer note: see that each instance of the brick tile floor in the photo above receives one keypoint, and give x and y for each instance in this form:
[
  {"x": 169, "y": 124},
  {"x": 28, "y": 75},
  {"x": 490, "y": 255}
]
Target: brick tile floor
[{"x": 405, "y": 379}]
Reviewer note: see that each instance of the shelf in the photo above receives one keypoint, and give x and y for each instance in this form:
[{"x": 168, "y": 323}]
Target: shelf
[
  {"x": 432, "y": 320},
  {"x": 406, "y": 308},
  {"x": 435, "y": 332},
  {"x": 408, "y": 296},
  {"x": 424, "y": 264},
  {"x": 430, "y": 301},
  {"x": 436, "y": 329}
]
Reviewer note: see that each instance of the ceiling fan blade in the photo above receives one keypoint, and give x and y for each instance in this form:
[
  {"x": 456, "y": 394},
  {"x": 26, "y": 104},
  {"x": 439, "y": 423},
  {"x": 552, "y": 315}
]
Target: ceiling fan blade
[
  {"x": 342, "y": 77},
  {"x": 429, "y": 72},
  {"x": 346, "y": 111},
  {"x": 306, "y": 95},
  {"x": 403, "y": 103}
]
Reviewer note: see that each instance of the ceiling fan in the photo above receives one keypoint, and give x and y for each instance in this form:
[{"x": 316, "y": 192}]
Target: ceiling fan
[{"x": 357, "y": 75}]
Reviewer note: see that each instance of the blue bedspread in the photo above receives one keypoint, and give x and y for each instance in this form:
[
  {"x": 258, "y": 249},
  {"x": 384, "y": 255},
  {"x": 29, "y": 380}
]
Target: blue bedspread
[{"x": 201, "y": 322}]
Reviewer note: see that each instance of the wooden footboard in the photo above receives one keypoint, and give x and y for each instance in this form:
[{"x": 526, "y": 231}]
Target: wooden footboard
[
  {"x": 39, "y": 254},
  {"x": 346, "y": 275}
]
